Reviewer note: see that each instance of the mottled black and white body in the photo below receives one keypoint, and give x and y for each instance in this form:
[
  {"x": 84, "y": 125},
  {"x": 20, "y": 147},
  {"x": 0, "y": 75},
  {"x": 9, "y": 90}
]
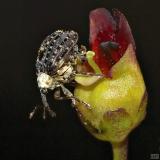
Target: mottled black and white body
[{"x": 56, "y": 66}]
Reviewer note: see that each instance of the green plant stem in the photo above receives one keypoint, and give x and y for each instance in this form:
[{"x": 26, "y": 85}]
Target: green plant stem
[{"x": 120, "y": 150}]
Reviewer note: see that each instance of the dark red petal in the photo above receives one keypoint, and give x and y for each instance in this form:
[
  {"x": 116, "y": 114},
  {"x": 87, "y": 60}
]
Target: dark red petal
[
  {"x": 103, "y": 28},
  {"x": 101, "y": 21},
  {"x": 124, "y": 34}
]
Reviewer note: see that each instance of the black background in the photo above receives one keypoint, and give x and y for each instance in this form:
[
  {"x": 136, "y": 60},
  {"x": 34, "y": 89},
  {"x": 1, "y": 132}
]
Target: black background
[{"x": 23, "y": 25}]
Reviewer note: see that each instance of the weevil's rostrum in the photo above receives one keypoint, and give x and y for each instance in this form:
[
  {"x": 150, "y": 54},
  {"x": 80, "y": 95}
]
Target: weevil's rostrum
[{"x": 56, "y": 66}]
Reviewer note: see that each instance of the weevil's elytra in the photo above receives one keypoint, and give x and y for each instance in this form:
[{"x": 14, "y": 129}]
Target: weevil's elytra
[
  {"x": 56, "y": 66},
  {"x": 59, "y": 45}
]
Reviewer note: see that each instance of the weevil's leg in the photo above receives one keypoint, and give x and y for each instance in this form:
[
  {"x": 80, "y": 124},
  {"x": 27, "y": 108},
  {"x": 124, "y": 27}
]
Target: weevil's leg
[
  {"x": 91, "y": 74},
  {"x": 83, "y": 51},
  {"x": 74, "y": 100},
  {"x": 33, "y": 112},
  {"x": 57, "y": 95},
  {"x": 69, "y": 95},
  {"x": 46, "y": 106},
  {"x": 73, "y": 103},
  {"x": 82, "y": 55},
  {"x": 72, "y": 83}
]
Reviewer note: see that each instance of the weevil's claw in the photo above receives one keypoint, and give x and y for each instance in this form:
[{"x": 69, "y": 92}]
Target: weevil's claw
[
  {"x": 74, "y": 100},
  {"x": 31, "y": 114},
  {"x": 73, "y": 103},
  {"x": 50, "y": 111},
  {"x": 88, "y": 106},
  {"x": 44, "y": 112}
]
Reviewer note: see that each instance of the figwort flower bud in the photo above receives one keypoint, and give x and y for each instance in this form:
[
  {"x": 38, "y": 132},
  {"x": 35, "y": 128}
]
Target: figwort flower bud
[{"x": 119, "y": 100}]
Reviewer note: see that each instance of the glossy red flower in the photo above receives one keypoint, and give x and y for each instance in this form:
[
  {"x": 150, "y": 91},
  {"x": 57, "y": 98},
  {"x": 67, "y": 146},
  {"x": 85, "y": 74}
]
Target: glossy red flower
[{"x": 110, "y": 36}]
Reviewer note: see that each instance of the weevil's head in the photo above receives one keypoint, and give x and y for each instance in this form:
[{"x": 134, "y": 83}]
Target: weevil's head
[{"x": 44, "y": 81}]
